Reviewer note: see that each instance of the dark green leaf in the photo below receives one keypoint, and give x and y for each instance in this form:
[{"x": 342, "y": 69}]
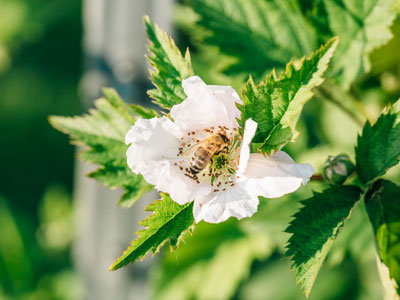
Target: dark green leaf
[
  {"x": 168, "y": 223},
  {"x": 378, "y": 147},
  {"x": 383, "y": 207},
  {"x": 260, "y": 35},
  {"x": 169, "y": 67},
  {"x": 276, "y": 103},
  {"x": 103, "y": 131},
  {"x": 314, "y": 229}
]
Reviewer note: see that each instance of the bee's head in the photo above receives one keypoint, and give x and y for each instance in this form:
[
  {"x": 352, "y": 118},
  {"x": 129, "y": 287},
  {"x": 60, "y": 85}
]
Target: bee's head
[{"x": 224, "y": 137}]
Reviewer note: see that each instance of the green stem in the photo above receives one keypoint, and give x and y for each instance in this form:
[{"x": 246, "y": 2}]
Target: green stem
[{"x": 328, "y": 95}]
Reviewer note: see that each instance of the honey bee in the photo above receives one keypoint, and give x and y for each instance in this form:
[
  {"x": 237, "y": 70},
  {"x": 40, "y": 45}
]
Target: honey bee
[{"x": 206, "y": 149}]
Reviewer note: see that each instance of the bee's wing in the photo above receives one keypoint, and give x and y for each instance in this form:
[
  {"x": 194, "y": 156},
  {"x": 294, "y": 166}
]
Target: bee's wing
[{"x": 189, "y": 151}]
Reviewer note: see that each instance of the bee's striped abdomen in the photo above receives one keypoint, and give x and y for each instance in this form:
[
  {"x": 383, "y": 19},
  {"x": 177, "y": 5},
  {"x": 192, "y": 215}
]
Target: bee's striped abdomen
[{"x": 200, "y": 159}]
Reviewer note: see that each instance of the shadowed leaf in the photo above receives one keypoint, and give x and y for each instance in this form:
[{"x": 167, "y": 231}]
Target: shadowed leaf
[
  {"x": 378, "y": 147},
  {"x": 383, "y": 207},
  {"x": 314, "y": 228}
]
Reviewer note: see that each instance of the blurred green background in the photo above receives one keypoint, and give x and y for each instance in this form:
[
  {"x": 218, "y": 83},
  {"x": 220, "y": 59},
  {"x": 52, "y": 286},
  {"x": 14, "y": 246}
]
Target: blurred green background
[{"x": 40, "y": 68}]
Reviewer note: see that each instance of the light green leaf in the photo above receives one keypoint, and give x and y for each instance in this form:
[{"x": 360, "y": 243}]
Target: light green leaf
[
  {"x": 145, "y": 113},
  {"x": 383, "y": 207},
  {"x": 362, "y": 27},
  {"x": 218, "y": 276},
  {"x": 169, "y": 67},
  {"x": 378, "y": 147},
  {"x": 260, "y": 35},
  {"x": 276, "y": 103},
  {"x": 314, "y": 229},
  {"x": 103, "y": 131},
  {"x": 396, "y": 109},
  {"x": 168, "y": 223}
]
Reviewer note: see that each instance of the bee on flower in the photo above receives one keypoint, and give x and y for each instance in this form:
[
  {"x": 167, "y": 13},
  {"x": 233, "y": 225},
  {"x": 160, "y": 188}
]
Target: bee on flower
[{"x": 198, "y": 155}]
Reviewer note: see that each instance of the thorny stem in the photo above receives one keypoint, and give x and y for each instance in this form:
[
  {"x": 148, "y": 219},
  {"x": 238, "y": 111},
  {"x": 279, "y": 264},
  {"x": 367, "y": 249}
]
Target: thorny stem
[
  {"x": 317, "y": 177},
  {"x": 328, "y": 95}
]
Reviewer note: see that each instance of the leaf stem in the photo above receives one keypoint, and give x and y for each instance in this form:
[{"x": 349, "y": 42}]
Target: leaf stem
[{"x": 328, "y": 95}]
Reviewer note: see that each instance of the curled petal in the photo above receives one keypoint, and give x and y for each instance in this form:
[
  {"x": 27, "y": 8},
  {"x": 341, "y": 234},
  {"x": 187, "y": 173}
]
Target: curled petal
[
  {"x": 250, "y": 128},
  {"x": 206, "y": 106},
  {"x": 274, "y": 176},
  {"x": 218, "y": 207}
]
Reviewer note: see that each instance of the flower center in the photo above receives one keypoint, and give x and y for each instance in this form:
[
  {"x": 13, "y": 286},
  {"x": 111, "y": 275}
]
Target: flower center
[
  {"x": 210, "y": 156},
  {"x": 219, "y": 161}
]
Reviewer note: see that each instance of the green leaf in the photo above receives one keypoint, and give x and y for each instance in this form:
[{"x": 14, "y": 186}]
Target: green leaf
[
  {"x": 276, "y": 103},
  {"x": 103, "y": 132},
  {"x": 169, "y": 67},
  {"x": 383, "y": 207},
  {"x": 396, "y": 108},
  {"x": 362, "y": 27},
  {"x": 208, "y": 278},
  {"x": 145, "y": 113},
  {"x": 169, "y": 222},
  {"x": 314, "y": 229},
  {"x": 260, "y": 35},
  {"x": 378, "y": 147}
]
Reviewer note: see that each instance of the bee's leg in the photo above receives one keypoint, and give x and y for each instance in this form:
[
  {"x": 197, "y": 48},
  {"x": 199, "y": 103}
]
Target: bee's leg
[{"x": 225, "y": 150}]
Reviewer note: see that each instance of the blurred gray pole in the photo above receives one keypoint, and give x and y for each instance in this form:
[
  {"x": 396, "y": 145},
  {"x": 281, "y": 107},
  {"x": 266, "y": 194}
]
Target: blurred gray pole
[{"x": 114, "y": 43}]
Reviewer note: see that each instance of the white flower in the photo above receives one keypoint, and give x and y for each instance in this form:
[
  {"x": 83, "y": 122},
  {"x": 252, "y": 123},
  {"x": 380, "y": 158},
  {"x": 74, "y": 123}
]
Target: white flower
[{"x": 229, "y": 185}]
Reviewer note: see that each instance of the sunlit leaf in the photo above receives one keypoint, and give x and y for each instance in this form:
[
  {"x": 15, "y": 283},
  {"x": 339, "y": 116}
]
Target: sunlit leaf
[
  {"x": 168, "y": 223},
  {"x": 362, "y": 27},
  {"x": 276, "y": 103},
  {"x": 169, "y": 67},
  {"x": 204, "y": 261},
  {"x": 103, "y": 132}
]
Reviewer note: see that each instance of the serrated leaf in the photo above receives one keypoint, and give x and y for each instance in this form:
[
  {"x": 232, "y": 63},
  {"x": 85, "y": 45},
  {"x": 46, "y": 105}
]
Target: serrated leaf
[
  {"x": 145, "y": 113},
  {"x": 362, "y": 27},
  {"x": 169, "y": 67},
  {"x": 315, "y": 227},
  {"x": 168, "y": 223},
  {"x": 276, "y": 103},
  {"x": 260, "y": 35},
  {"x": 378, "y": 147},
  {"x": 103, "y": 131},
  {"x": 383, "y": 207}
]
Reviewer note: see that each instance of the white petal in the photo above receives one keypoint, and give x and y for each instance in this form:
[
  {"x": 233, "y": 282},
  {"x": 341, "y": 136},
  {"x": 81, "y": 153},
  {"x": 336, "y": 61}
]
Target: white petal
[
  {"x": 220, "y": 206},
  {"x": 153, "y": 152},
  {"x": 170, "y": 179},
  {"x": 274, "y": 176},
  {"x": 206, "y": 106},
  {"x": 151, "y": 139},
  {"x": 250, "y": 128}
]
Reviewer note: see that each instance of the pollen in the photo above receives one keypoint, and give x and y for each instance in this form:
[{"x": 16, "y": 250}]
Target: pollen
[{"x": 220, "y": 170}]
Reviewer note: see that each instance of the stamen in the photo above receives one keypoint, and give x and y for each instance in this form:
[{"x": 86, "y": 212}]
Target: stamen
[{"x": 221, "y": 169}]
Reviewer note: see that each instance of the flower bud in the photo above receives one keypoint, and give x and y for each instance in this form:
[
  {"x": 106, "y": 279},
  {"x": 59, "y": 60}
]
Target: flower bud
[{"x": 337, "y": 169}]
